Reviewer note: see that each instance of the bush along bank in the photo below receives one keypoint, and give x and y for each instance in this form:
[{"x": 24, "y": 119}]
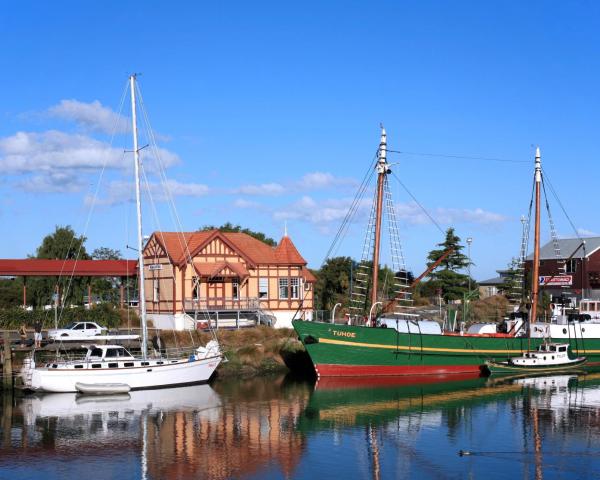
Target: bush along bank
[
  {"x": 105, "y": 314},
  {"x": 249, "y": 352}
]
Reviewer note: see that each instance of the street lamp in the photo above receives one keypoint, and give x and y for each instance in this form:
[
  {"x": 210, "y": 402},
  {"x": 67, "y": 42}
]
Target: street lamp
[
  {"x": 469, "y": 242},
  {"x": 468, "y": 295},
  {"x": 333, "y": 312}
]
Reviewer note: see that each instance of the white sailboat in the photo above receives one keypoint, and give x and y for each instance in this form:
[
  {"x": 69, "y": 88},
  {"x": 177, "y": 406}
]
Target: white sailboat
[{"x": 113, "y": 364}]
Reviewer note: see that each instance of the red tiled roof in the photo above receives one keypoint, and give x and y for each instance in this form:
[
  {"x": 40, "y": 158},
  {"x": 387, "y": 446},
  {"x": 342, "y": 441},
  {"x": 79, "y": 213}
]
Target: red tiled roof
[
  {"x": 80, "y": 268},
  {"x": 286, "y": 251},
  {"x": 214, "y": 269},
  {"x": 308, "y": 276},
  {"x": 181, "y": 245}
]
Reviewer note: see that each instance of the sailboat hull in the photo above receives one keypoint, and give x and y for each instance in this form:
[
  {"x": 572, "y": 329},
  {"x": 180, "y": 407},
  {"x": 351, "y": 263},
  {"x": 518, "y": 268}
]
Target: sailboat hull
[
  {"x": 342, "y": 350},
  {"x": 48, "y": 379}
]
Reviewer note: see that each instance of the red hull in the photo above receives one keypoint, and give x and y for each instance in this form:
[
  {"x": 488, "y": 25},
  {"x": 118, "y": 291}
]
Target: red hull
[
  {"x": 331, "y": 370},
  {"x": 335, "y": 383}
]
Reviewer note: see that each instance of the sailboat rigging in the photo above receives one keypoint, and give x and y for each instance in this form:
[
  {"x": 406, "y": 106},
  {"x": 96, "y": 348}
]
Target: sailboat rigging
[
  {"x": 549, "y": 356},
  {"x": 113, "y": 365},
  {"x": 399, "y": 343}
]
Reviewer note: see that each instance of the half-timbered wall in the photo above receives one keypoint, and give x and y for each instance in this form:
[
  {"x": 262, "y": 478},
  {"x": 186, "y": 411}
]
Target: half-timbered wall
[
  {"x": 176, "y": 283},
  {"x": 160, "y": 282}
]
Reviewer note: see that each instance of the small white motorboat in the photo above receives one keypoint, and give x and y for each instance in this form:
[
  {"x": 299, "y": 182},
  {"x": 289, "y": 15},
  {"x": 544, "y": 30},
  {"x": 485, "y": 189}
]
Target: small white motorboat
[
  {"x": 547, "y": 358},
  {"x": 102, "y": 388}
]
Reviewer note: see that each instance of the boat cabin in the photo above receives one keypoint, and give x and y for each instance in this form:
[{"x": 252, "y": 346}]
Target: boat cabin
[
  {"x": 545, "y": 354},
  {"x": 591, "y": 308},
  {"x": 97, "y": 353}
]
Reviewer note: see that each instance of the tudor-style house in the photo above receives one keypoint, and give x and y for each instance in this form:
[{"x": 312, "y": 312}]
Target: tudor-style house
[{"x": 224, "y": 275}]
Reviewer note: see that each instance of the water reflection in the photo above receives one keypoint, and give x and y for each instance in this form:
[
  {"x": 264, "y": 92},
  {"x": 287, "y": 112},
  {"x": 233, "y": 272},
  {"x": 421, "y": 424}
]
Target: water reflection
[
  {"x": 188, "y": 432},
  {"x": 271, "y": 428}
]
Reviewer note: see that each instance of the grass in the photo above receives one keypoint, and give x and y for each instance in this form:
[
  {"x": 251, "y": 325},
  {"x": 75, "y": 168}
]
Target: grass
[{"x": 249, "y": 351}]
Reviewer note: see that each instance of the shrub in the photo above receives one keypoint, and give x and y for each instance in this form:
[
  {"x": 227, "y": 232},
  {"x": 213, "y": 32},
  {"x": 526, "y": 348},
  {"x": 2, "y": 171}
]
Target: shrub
[{"x": 104, "y": 315}]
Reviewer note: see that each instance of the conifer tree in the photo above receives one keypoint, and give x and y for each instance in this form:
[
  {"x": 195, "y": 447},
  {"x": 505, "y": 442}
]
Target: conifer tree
[{"x": 446, "y": 276}]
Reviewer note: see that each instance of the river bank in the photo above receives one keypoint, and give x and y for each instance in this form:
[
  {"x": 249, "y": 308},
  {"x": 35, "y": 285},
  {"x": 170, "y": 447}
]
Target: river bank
[{"x": 251, "y": 351}]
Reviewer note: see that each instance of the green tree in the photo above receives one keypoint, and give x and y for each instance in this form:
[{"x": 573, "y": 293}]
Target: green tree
[
  {"x": 104, "y": 253},
  {"x": 62, "y": 244},
  {"x": 106, "y": 288},
  {"x": 229, "y": 227},
  {"x": 333, "y": 283},
  {"x": 336, "y": 275},
  {"x": 11, "y": 292},
  {"x": 446, "y": 276},
  {"x": 512, "y": 287}
]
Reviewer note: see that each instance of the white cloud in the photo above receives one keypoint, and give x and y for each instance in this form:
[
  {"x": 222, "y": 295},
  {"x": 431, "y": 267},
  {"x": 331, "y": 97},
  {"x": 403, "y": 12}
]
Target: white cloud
[
  {"x": 178, "y": 189},
  {"x": 450, "y": 216},
  {"x": 52, "y": 182},
  {"x": 332, "y": 211},
  {"x": 118, "y": 192},
  {"x": 26, "y": 152},
  {"x": 413, "y": 214},
  {"x": 93, "y": 116},
  {"x": 320, "y": 180},
  {"x": 320, "y": 213},
  {"x": 56, "y": 161},
  {"x": 587, "y": 233},
  {"x": 310, "y": 181},
  {"x": 263, "y": 189},
  {"x": 243, "y": 203}
]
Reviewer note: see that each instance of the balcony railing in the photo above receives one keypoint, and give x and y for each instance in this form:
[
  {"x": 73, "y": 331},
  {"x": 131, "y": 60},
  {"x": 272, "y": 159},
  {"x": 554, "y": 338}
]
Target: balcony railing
[{"x": 222, "y": 303}]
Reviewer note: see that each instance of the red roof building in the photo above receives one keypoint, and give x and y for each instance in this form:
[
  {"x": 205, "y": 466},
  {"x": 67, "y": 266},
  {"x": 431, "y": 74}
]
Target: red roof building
[
  {"x": 38, "y": 267},
  {"x": 218, "y": 271}
]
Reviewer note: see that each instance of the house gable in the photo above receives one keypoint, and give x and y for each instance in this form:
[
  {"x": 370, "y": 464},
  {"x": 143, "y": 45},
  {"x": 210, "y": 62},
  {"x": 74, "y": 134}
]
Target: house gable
[
  {"x": 155, "y": 249},
  {"x": 217, "y": 245}
]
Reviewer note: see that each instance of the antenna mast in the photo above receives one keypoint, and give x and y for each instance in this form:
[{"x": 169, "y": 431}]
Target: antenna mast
[
  {"x": 382, "y": 170},
  {"x": 535, "y": 288},
  {"x": 136, "y": 156}
]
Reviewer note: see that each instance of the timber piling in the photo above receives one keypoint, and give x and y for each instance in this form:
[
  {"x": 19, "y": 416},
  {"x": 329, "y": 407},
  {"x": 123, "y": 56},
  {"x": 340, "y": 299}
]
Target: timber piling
[{"x": 7, "y": 369}]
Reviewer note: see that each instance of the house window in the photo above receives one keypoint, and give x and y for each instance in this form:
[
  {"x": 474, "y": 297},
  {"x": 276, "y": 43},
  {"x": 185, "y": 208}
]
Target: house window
[
  {"x": 571, "y": 265},
  {"x": 263, "y": 288},
  {"x": 283, "y": 289},
  {"x": 295, "y": 288},
  {"x": 195, "y": 288},
  {"x": 156, "y": 290},
  {"x": 235, "y": 289}
]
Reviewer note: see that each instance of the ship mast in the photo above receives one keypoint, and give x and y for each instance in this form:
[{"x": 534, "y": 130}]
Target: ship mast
[
  {"x": 382, "y": 170},
  {"x": 136, "y": 156},
  {"x": 535, "y": 287}
]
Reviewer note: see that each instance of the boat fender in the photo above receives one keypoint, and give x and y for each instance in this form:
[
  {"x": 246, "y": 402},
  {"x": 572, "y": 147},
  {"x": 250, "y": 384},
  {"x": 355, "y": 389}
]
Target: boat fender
[
  {"x": 383, "y": 325},
  {"x": 309, "y": 340}
]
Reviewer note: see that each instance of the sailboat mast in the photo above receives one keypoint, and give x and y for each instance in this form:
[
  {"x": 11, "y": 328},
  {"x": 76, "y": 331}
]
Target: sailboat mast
[
  {"x": 136, "y": 156},
  {"x": 382, "y": 170},
  {"x": 535, "y": 287}
]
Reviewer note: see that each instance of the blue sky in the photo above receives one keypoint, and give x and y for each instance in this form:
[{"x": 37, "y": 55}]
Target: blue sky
[{"x": 268, "y": 112}]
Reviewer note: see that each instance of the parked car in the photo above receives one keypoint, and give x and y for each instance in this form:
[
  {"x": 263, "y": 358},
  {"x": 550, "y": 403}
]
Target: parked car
[{"x": 77, "y": 329}]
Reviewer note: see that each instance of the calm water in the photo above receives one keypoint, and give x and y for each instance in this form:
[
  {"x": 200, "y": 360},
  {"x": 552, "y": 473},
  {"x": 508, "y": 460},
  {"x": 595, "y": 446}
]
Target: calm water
[{"x": 272, "y": 428}]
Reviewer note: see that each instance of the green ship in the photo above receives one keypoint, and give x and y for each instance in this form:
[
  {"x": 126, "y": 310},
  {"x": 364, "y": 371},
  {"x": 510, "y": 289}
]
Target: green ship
[
  {"x": 401, "y": 344},
  {"x": 346, "y": 350}
]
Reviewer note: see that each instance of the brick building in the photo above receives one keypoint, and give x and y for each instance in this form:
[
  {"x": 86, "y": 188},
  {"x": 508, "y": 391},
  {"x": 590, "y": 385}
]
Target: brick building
[{"x": 575, "y": 273}]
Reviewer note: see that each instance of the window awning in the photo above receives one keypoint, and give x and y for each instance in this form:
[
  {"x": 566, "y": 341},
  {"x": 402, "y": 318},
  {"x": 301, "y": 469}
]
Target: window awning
[{"x": 221, "y": 269}]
